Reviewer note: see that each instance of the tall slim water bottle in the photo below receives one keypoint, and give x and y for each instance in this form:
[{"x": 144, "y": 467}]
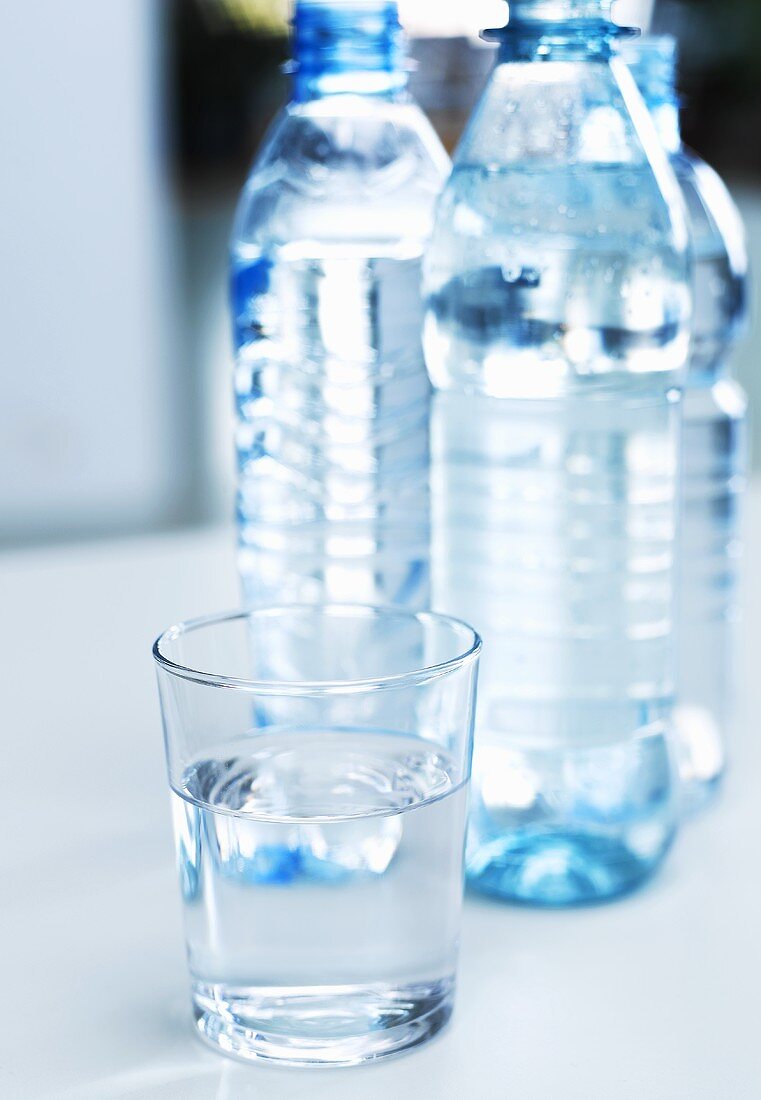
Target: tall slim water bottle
[
  {"x": 556, "y": 335},
  {"x": 332, "y": 395},
  {"x": 714, "y": 440}
]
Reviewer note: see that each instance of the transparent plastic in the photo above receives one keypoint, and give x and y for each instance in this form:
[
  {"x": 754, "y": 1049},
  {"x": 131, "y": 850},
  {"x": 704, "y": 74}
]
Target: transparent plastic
[
  {"x": 714, "y": 441},
  {"x": 332, "y": 394},
  {"x": 556, "y": 334}
]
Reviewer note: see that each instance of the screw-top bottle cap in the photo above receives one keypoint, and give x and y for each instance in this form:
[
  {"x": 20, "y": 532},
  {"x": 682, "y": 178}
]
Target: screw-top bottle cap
[
  {"x": 584, "y": 25},
  {"x": 347, "y": 46},
  {"x": 559, "y": 11}
]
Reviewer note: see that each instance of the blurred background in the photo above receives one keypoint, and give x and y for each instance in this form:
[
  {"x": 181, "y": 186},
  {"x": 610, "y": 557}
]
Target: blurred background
[{"x": 127, "y": 129}]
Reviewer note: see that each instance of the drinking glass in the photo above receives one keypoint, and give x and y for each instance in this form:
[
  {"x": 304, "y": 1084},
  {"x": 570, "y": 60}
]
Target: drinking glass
[{"x": 319, "y": 760}]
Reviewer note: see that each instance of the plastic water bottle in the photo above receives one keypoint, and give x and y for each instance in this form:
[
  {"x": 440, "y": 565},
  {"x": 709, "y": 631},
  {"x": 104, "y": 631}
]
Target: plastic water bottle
[
  {"x": 714, "y": 439},
  {"x": 333, "y": 399},
  {"x": 556, "y": 334}
]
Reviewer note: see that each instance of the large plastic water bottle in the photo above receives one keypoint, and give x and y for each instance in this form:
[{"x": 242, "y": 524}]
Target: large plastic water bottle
[
  {"x": 332, "y": 394},
  {"x": 714, "y": 438},
  {"x": 556, "y": 333}
]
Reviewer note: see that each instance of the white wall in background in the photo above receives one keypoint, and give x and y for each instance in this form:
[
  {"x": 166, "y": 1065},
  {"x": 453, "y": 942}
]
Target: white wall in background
[
  {"x": 88, "y": 438},
  {"x": 445, "y": 18},
  {"x": 441, "y": 18}
]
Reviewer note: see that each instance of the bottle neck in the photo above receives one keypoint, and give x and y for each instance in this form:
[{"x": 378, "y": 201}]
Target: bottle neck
[
  {"x": 347, "y": 47},
  {"x": 652, "y": 62},
  {"x": 542, "y": 30}
]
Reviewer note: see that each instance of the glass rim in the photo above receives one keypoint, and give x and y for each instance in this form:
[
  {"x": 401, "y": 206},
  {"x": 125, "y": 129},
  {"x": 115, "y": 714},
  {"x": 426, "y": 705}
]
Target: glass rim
[{"x": 315, "y": 687}]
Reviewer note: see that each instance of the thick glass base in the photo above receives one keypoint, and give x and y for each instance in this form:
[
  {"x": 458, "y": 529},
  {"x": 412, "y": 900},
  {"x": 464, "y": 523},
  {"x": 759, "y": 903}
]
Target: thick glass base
[
  {"x": 320, "y": 1025},
  {"x": 550, "y": 867}
]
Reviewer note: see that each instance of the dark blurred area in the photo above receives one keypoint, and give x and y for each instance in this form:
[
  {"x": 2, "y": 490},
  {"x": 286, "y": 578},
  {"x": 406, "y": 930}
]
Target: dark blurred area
[
  {"x": 227, "y": 82},
  {"x": 720, "y": 79},
  {"x": 124, "y": 158}
]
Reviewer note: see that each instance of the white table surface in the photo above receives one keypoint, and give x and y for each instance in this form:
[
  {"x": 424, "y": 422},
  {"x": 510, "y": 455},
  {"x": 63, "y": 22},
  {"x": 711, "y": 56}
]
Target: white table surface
[{"x": 657, "y": 997}]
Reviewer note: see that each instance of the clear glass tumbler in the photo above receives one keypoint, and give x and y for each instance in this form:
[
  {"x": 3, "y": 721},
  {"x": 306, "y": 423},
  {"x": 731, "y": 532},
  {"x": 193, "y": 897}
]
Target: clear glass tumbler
[{"x": 319, "y": 760}]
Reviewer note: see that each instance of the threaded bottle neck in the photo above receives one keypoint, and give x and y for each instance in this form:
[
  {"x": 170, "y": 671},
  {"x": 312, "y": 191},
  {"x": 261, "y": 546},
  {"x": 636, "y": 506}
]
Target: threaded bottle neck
[
  {"x": 560, "y": 11},
  {"x": 652, "y": 62},
  {"x": 347, "y": 47},
  {"x": 541, "y": 29}
]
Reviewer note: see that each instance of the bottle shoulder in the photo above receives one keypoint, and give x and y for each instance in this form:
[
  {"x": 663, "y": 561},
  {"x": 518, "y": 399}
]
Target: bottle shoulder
[
  {"x": 556, "y": 144},
  {"x": 559, "y": 258},
  {"x": 715, "y": 223},
  {"x": 554, "y": 114},
  {"x": 331, "y": 164}
]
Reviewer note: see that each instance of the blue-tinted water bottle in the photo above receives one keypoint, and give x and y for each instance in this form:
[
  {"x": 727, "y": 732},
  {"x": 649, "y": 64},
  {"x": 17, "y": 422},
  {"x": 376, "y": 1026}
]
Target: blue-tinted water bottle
[
  {"x": 556, "y": 335},
  {"x": 714, "y": 438},
  {"x": 332, "y": 394}
]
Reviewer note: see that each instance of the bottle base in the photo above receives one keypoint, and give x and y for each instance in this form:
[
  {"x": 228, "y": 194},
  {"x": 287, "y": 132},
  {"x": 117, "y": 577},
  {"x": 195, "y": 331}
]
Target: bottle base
[
  {"x": 701, "y": 757},
  {"x": 320, "y": 1025},
  {"x": 698, "y": 795},
  {"x": 552, "y": 868}
]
